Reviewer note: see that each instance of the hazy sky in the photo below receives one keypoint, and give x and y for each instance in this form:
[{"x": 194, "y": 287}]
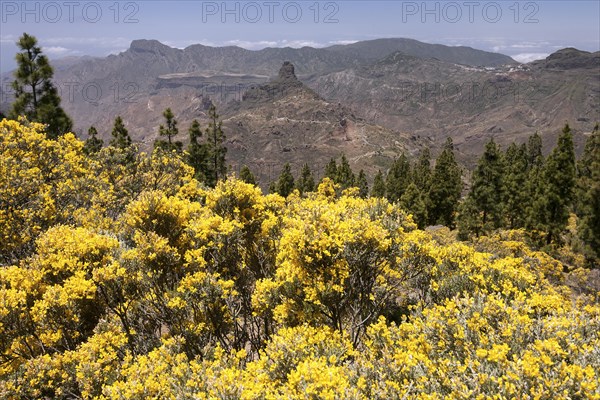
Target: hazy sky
[{"x": 525, "y": 30}]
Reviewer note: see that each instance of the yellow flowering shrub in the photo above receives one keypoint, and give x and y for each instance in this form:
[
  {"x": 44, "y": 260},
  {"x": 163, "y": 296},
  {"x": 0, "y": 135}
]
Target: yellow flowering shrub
[
  {"x": 340, "y": 262},
  {"x": 42, "y": 183},
  {"x": 484, "y": 346},
  {"x": 122, "y": 277},
  {"x": 301, "y": 362}
]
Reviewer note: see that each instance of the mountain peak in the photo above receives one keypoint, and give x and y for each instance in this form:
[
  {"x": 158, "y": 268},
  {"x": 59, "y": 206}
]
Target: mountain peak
[
  {"x": 152, "y": 46},
  {"x": 286, "y": 72},
  {"x": 569, "y": 50},
  {"x": 285, "y": 84},
  {"x": 570, "y": 58}
]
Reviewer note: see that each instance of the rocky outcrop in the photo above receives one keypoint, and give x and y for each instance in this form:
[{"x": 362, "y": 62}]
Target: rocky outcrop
[
  {"x": 152, "y": 46},
  {"x": 285, "y": 84},
  {"x": 286, "y": 73}
]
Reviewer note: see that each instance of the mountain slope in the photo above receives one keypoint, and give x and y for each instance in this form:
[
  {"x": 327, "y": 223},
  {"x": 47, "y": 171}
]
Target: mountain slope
[
  {"x": 379, "y": 48},
  {"x": 435, "y": 99},
  {"x": 285, "y": 121}
]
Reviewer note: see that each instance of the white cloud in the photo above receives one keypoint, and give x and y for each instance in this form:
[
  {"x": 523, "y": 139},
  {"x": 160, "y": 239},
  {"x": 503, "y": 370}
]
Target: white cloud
[
  {"x": 522, "y": 45},
  {"x": 522, "y": 51},
  {"x": 179, "y": 44},
  {"x": 57, "y": 50},
  {"x": 528, "y": 57},
  {"x": 94, "y": 46},
  {"x": 8, "y": 39},
  {"x": 103, "y": 42},
  {"x": 251, "y": 45},
  {"x": 115, "y": 51},
  {"x": 342, "y": 42},
  {"x": 301, "y": 43},
  {"x": 261, "y": 44},
  {"x": 246, "y": 44}
]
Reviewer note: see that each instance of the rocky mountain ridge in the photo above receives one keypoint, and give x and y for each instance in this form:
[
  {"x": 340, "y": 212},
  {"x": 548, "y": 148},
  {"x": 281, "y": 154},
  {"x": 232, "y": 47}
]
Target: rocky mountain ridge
[{"x": 391, "y": 94}]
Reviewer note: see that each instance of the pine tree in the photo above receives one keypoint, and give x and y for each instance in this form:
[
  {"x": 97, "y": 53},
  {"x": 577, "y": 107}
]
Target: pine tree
[
  {"x": 534, "y": 186},
  {"x": 306, "y": 183},
  {"x": 588, "y": 198},
  {"x": 331, "y": 170},
  {"x": 421, "y": 175},
  {"x": 36, "y": 96},
  {"x": 216, "y": 151},
  {"x": 413, "y": 201},
  {"x": 273, "y": 187},
  {"x": 197, "y": 152},
  {"x": 362, "y": 184},
  {"x": 285, "y": 183},
  {"x": 344, "y": 175},
  {"x": 446, "y": 187},
  {"x": 534, "y": 151},
  {"x": 378, "y": 186},
  {"x": 170, "y": 131},
  {"x": 398, "y": 178},
  {"x": 486, "y": 190},
  {"x": 247, "y": 176},
  {"x": 50, "y": 113},
  {"x": 92, "y": 144},
  {"x": 121, "y": 141},
  {"x": 120, "y": 135},
  {"x": 586, "y": 165},
  {"x": 558, "y": 181},
  {"x": 515, "y": 192},
  {"x": 536, "y": 218}
]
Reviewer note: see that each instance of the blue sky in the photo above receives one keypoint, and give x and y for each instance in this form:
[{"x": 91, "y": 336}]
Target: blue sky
[{"x": 525, "y": 30}]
